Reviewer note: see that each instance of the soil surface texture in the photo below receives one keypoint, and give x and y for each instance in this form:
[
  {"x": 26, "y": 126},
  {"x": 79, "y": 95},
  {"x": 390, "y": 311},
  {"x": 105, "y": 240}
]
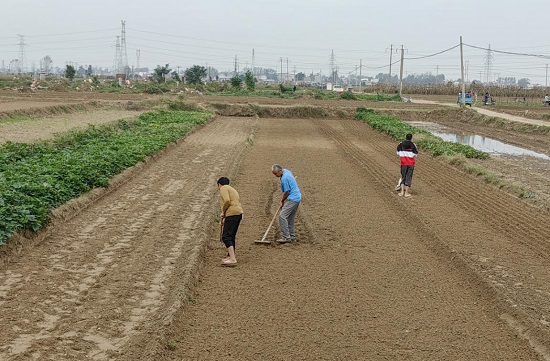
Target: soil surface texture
[{"x": 458, "y": 271}]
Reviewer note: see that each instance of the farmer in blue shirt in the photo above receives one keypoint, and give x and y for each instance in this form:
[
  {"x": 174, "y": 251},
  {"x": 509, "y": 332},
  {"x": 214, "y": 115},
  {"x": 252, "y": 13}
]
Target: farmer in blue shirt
[{"x": 289, "y": 203}]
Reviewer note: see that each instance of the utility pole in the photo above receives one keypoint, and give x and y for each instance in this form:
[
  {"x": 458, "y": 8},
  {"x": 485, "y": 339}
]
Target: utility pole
[
  {"x": 546, "y": 72},
  {"x": 235, "y": 71},
  {"x": 253, "y": 71},
  {"x": 401, "y": 72},
  {"x": 463, "y": 98},
  {"x": 281, "y": 69},
  {"x": 332, "y": 64},
  {"x": 436, "y": 74},
  {"x": 391, "y": 53},
  {"x": 360, "y": 76},
  {"x": 138, "y": 54}
]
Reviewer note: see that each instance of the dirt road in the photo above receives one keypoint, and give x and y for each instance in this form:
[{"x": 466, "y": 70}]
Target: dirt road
[
  {"x": 482, "y": 110},
  {"x": 460, "y": 271}
]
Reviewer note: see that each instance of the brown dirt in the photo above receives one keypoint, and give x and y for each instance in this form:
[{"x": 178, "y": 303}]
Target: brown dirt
[
  {"x": 458, "y": 271},
  {"x": 95, "y": 285},
  {"x": 25, "y": 131},
  {"x": 373, "y": 275}
]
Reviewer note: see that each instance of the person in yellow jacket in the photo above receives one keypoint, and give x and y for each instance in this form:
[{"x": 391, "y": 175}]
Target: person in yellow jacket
[{"x": 232, "y": 214}]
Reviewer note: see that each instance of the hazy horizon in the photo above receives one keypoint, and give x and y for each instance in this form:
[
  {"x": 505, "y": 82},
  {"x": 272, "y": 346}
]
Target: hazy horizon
[{"x": 214, "y": 32}]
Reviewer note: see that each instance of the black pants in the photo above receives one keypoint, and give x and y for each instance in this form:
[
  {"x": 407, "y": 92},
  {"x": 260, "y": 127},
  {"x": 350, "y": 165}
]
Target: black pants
[
  {"x": 407, "y": 175},
  {"x": 230, "y": 228}
]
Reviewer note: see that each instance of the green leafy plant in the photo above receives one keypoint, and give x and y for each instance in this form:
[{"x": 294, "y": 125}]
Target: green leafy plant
[
  {"x": 236, "y": 82},
  {"x": 250, "y": 81},
  {"x": 35, "y": 178}
]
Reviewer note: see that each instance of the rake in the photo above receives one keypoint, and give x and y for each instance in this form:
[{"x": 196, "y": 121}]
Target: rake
[{"x": 263, "y": 240}]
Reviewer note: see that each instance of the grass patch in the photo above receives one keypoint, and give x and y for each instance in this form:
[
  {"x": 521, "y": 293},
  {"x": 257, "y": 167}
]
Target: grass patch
[
  {"x": 424, "y": 139},
  {"x": 15, "y": 118},
  {"x": 36, "y": 178}
]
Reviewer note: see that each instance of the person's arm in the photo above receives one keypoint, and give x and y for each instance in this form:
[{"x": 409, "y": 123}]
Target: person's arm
[
  {"x": 285, "y": 196},
  {"x": 415, "y": 150},
  {"x": 225, "y": 200},
  {"x": 285, "y": 186}
]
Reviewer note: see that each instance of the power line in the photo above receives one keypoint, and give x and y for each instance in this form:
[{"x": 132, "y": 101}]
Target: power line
[
  {"x": 432, "y": 55},
  {"x": 74, "y": 33},
  {"x": 509, "y": 52}
]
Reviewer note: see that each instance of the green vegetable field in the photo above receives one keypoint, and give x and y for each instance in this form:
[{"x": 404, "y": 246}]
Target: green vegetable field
[{"x": 36, "y": 178}]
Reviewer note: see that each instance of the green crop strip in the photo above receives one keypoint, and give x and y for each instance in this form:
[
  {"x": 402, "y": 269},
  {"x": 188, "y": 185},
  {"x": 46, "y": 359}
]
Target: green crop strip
[
  {"x": 35, "y": 178},
  {"x": 424, "y": 139}
]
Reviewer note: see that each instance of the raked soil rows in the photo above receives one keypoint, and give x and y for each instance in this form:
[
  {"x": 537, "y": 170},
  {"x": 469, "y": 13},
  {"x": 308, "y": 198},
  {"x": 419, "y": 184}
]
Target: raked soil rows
[{"x": 459, "y": 271}]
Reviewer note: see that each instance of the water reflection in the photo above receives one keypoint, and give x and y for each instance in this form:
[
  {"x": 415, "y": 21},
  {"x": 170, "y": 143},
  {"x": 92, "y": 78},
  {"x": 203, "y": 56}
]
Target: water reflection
[{"x": 478, "y": 142}]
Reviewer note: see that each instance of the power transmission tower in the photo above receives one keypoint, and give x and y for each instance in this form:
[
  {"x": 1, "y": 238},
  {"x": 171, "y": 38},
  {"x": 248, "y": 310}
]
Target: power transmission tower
[
  {"x": 332, "y": 64},
  {"x": 286, "y": 77},
  {"x": 22, "y": 57},
  {"x": 360, "y": 76},
  {"x": 488, "y": 64},
  {"x": 123, "y": 52},
  {"x": 117, "y": 66}
]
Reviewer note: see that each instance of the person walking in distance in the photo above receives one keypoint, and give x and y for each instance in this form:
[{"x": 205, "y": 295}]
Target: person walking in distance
[
  {"x": 407, "y": 152},
  {"x": 232, "y": 214},
  {"x": 289, "y": 203}
]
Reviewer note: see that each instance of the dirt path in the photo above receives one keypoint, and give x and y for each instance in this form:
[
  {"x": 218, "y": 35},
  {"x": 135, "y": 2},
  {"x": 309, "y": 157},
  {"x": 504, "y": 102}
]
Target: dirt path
[
  {"x": 373, "y": 276},
  {"x": 490, "y": 113},
  {"x": 25, "y": 131},
  {"x": 110, "y": 278}
]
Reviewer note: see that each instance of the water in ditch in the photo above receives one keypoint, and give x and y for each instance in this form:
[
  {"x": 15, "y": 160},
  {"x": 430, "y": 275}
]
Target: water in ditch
[{"x": 479, "y": 142}]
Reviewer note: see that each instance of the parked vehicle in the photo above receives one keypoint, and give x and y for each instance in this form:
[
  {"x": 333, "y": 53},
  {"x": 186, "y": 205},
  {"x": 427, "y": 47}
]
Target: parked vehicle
[
  {"x": 467, "y": 100},
  {"x": 338, "y": 89}
]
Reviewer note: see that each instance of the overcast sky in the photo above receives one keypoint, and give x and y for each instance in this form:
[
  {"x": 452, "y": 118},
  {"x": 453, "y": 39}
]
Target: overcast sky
[{"x": 212, "y": 32}]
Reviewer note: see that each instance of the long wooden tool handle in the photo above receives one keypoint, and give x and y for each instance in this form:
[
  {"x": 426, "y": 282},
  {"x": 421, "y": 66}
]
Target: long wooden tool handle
[{"x": 270, "y": 224}]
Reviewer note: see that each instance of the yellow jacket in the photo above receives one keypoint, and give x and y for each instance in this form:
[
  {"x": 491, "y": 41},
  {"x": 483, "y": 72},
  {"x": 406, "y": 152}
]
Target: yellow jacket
[{"x": 229, "y": 201}]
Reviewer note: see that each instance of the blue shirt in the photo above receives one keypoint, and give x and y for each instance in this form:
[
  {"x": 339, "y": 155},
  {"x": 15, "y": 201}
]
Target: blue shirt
[{"x": 288, "y": 184}]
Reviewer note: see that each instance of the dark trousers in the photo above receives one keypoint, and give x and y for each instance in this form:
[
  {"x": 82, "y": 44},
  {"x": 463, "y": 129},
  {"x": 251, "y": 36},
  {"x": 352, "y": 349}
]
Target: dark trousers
[
  {"x": 230, "y": 228},
  {"x": 407, "y": 175}
]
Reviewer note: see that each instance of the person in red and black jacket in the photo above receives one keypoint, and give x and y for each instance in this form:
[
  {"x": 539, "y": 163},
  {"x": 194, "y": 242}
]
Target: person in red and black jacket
[{"x": 407, "y": 152}]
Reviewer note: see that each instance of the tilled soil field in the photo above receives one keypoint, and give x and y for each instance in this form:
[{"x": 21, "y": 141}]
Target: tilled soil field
[
  {"x": 30, "y": 130},
  {"x": 458, "y": 271}
]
